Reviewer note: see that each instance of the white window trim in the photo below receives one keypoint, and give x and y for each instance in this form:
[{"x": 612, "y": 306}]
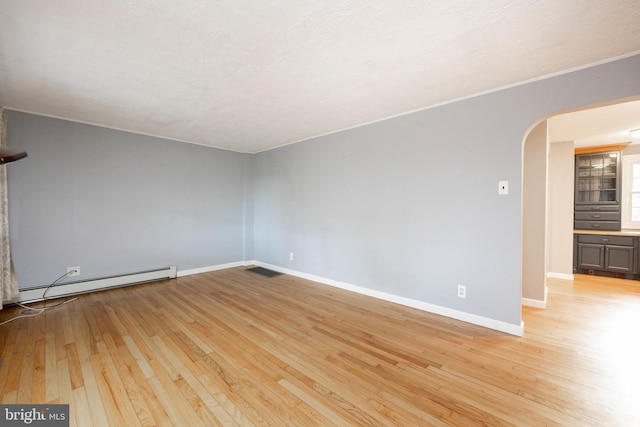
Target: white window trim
[{"x": 625, "y": 201}]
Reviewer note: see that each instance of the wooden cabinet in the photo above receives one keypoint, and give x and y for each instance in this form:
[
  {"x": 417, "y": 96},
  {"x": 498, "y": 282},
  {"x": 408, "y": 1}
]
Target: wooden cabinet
[
  {"x": 605, "y": 254},
  {"x": 597, "y": 191}
]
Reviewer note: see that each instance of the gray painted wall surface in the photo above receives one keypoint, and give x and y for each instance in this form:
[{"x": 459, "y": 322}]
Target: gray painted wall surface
[
  {"x": 114, "y": 202},
  {"x": 409, "y": 206},
  {"x": 247, "y": 230}
]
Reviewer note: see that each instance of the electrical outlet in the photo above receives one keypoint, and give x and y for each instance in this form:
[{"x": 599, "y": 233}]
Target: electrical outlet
[
  {"x": 462, "y": 291},
  {"x": 290, "y": 256},
  {"x": 73, "y": 271}
]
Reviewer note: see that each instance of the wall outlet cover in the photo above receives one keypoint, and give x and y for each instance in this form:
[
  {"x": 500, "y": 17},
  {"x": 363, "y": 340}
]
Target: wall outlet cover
[
  {"x": 503, "y": 187},
  {"x": 462, "y": 291}
]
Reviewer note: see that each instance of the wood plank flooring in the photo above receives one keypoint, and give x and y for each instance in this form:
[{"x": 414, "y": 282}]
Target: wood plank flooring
[{"x": 233, "y": 348}]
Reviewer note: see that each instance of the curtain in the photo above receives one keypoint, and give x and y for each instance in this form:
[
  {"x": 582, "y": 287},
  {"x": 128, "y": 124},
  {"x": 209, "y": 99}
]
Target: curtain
[{"x": 8, "y": 282}]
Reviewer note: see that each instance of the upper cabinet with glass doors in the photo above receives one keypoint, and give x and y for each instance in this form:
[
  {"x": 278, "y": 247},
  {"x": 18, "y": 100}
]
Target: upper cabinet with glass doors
[
  {"x": 598, "y": 178},
  {"x": 597, "y": 191}
]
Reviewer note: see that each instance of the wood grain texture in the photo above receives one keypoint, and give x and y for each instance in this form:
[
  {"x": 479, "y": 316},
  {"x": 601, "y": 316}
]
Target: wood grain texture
[{"x": 234, "y": 348}]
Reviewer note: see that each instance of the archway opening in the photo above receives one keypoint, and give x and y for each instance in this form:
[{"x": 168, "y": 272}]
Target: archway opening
[{"x": 548, "y": 185}]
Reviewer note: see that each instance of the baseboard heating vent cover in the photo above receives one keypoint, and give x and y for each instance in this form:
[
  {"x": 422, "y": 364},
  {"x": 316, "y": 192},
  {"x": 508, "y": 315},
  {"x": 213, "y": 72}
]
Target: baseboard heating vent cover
[
  {"x": 264, "y": 271},
  {"x": 72, "y": 288}
]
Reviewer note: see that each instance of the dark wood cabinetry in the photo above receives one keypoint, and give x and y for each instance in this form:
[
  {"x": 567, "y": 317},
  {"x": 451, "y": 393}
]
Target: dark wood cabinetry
[
  {"x": 606, "y": 254},
  {"x": 600, "y": 246},
  {"x": 597, "y": 191}
]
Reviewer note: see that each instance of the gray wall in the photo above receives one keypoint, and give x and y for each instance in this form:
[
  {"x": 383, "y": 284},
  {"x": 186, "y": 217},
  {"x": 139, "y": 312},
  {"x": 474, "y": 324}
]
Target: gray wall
[
  {"x": 247, "y": 231},
  {"x": 534, "y": 208},
  {"x": 114, "y": 202},
  {"x": 409, "y": 206}
]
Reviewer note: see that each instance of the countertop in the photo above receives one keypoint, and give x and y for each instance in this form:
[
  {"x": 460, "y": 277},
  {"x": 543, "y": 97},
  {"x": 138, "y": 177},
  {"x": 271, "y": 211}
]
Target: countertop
[{"x": 623, "y": 232}]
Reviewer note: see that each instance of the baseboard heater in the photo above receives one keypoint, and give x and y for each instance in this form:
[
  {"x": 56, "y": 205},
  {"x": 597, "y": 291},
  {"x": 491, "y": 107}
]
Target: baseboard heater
[{"x": 64, "y": 289}]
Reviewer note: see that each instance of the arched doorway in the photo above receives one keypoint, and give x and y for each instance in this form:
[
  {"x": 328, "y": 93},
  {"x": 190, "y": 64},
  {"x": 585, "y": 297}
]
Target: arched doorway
[{"x": 547, "y": 205}]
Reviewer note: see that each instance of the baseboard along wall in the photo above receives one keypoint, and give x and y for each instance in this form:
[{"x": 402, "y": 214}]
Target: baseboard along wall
[
  {"x": 562, "y": 276},
  {"x": 66, "y": 289},
  {"x": 486, "y": 322},
  {"x": 530, "y": 302}
]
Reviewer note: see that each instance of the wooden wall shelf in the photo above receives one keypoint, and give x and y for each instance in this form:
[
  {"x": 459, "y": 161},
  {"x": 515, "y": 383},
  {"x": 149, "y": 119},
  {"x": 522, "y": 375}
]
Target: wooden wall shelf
[{"x": 601, "y": 148}]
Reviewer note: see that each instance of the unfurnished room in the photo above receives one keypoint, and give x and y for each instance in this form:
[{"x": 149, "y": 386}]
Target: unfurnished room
[{"x": 360, "y": 213}]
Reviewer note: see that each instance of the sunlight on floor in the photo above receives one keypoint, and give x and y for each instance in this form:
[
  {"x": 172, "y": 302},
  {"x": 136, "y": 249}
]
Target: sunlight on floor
[{"x": 622, "y": 350}]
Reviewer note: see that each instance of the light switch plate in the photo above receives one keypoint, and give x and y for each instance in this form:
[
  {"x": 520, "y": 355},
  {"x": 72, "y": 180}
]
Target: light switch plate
[{"x": 503, "y": 187}]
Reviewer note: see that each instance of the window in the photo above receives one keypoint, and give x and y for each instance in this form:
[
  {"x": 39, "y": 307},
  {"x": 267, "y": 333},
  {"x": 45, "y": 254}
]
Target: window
[{"x": 631, "y": 191}]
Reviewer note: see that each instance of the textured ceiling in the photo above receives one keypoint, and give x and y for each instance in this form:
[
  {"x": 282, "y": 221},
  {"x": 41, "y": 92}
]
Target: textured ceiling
[{"x": 249, "y": 75}]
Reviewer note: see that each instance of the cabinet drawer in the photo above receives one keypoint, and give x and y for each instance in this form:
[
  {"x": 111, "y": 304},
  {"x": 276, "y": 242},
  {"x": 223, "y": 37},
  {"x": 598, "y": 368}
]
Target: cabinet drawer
[
  {"x": 597, "y": 216},
  {"x": 597, "y": 225},
  {"x": 606, "y": 240},
  {"x": 598, "y": 208}
]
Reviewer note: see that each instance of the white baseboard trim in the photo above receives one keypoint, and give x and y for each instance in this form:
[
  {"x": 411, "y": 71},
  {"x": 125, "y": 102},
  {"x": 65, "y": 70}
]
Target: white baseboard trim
[
  {"x": 207, "y": 269},
  {"x": 536, "y": 303},
  {"x": 64, "y": 289},
  {"x": 486, "y": 322},
  {"x": 562, "y": 276}
]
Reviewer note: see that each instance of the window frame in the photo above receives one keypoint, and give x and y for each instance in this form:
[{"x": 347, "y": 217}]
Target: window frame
[{"x": 627, "y": 180}]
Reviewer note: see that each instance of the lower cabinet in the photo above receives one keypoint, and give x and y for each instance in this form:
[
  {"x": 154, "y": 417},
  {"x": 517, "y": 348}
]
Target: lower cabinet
[{"x": 607, "y": 254}]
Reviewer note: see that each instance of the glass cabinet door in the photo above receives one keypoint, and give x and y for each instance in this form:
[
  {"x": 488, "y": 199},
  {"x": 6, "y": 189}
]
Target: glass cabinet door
[{"x": 596, "y": 178}]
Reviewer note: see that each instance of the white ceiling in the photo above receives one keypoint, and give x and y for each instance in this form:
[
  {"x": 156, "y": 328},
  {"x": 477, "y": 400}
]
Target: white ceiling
[
  {"x": 597, "y": 126},
  {"x": 250, "y": 75}
]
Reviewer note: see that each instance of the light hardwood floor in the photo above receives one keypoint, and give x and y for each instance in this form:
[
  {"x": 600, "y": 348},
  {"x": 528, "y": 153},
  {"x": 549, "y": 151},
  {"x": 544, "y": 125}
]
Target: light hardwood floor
[{"x": 234, "y": 348}]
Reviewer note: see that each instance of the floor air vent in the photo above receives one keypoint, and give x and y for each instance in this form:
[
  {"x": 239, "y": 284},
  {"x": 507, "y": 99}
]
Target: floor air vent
[{"x": 264, "y": 271}]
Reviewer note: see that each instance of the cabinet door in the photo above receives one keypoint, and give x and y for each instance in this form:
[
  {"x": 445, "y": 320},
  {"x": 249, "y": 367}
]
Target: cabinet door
[
  {"x": 597, "y": 178},
  {"x": 619, "y": 258},
  {"x": 590, "y": 256}
]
